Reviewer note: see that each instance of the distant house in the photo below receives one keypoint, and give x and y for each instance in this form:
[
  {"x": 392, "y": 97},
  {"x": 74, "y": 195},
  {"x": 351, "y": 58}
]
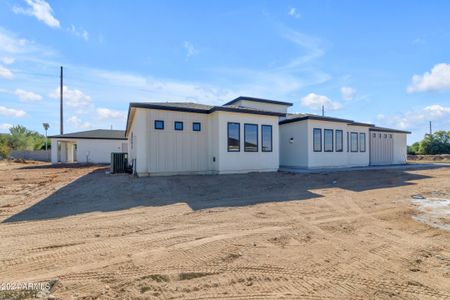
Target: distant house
[
  {"x": 93, "y": 146},
  {"x": 251, "y": 135}
]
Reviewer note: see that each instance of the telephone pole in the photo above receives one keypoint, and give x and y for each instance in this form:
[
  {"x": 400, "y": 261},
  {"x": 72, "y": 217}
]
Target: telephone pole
[
  {"x": 323, "y": 110},
  {"x": 431, "y": 132},
  {"x": 61, "y": 103}
]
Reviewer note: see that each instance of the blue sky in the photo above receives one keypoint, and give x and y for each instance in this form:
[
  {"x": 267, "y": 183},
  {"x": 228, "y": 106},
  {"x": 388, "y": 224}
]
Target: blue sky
[{"x": 384, "y": 62}]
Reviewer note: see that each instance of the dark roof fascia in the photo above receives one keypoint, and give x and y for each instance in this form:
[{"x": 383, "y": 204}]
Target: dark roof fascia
[
  {"x": 318, "y": 118},
  {"x": 361, "y": 124},
  {"x": 168, "y": 107},
  {"x": 381, "y": 129},
  {"x": 83, "y": 138},
  {"x": 246, "y": 111},
  {"x": 258, "y": 100}
]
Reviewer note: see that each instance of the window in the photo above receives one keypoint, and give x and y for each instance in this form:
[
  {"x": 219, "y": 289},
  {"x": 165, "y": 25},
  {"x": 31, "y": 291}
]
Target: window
[
  {"x": 339, "y": 141},
  {"x": 266, "y": 138},
  {"x": 390, "y": 136},
  {"x": 348, "y": 142},
  {"x": 317, "y": 140},
  {"x": 234, "y": 137},
  {"x": 328, "y": 140},
  {"x": 385, "y": 136},
  {"x": 354, "y": 141},
  {"x": 159, "y": 124},
  {"x": 374, "y": 135},
  {"x": 362, "y": 142},
  {"x": 196, "y": 126},
  {"x": 178, "y": 125},
  {"x": 250, "y": 138}
]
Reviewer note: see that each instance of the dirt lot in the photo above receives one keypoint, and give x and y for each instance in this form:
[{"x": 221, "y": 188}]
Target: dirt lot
[{"x": 279, "y": 235}]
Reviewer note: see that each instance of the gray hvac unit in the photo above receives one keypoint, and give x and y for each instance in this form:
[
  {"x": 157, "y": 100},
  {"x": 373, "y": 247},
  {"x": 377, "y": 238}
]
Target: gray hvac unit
[{"x": 119, "y": 162}]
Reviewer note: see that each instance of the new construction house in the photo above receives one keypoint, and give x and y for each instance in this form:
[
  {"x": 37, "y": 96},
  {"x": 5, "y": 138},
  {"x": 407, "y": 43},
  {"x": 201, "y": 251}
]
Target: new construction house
[{"x": 251, "y": 135}]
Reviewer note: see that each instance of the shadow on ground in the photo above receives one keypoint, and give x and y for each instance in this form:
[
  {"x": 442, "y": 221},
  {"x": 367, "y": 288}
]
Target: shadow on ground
[{"x": 98, "y": 191}]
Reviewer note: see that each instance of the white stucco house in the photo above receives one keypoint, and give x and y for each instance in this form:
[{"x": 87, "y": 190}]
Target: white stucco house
[
  {"x": 93, "y": 146},
  {"x": 251, "y": 135}
]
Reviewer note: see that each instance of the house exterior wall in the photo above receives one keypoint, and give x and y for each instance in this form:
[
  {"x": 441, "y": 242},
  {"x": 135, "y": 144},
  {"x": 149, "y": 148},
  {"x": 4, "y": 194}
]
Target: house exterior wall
[
  {"x": 388, "y": 150},
  {"x": 263, "y": 106},
  {"x": 294, "y": 153},
  {"x": 400, "y": 148},
  {"x": 88, "y": 150}
]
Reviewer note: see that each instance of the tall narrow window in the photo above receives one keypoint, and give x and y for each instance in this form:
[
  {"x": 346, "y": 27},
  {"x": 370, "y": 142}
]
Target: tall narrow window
[
  {"x": 250, "y": 138},
  {"x": 328, "y": 140},
  {"x": 234, "y": 137},
  {"x": 362, "y": 142},
  {"x": 339, "y": 141},
  {"x": 317, "y": 140},
  {"x": 348, "y": 142},
  {"x": 354, "y": 141},
  {"x": 266, "y": 136}
]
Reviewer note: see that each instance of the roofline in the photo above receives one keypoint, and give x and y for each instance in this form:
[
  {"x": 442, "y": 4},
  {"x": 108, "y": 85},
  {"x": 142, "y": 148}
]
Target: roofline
[
  {"x": 83, "y": 138},
  {"x": 258, "y": 100},
  {"x": 318, "y": 118},
  {"x": 381, "y": 129},
  {"x": 246, "y": 111},
  {"x": 168, "y": 107}
]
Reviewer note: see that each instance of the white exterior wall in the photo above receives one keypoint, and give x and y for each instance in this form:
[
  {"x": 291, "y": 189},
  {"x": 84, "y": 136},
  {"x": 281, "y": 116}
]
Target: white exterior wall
[
  {"x": 295, "y": 153},
  {"x": 263, "y": 106},
  {"x": 235, "y": 162},
  {"x": 88, "y": 150},
  {"x": 301, "y": 154},
  {"x": 400, "y": 148}
]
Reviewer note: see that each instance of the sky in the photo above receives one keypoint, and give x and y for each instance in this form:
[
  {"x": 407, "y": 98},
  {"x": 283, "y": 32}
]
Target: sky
[{"x": 382, "y": 62}]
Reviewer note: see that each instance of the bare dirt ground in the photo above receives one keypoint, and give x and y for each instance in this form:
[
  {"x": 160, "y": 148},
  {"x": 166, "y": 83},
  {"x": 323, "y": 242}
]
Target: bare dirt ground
[{"x": 345, "y": 235}]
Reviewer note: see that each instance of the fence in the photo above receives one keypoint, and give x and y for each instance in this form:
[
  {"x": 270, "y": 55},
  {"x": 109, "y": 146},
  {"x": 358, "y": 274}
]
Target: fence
[{"x": 40, "y": 155}]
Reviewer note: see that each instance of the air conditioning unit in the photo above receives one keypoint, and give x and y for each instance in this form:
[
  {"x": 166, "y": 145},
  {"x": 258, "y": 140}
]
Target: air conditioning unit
[{"x": 119, "y": 162}]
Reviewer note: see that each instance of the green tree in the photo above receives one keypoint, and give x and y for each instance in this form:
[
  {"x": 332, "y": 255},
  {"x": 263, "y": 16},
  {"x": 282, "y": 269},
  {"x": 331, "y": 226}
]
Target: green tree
[
  {"x": 414, "y": 148},
  {"x": 436, "y": 143},
  {"x": 22, "y": 138},
  {"x": 5, "y": 147}
]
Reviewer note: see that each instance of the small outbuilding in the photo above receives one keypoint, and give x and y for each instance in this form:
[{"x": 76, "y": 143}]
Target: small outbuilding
[{"x": 93, "y": 146}]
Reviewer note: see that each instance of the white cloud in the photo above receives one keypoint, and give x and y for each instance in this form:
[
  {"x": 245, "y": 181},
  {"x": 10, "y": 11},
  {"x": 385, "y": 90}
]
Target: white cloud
[
  {"x": 418, "y": 117},
  {"x": 347, "y": 93},
  {"x": 315, "y": 101},
  {"x": 12, "y": 112},
  {"x": 190, "y": 49},
  {"x": 5, "y": 127},
  {"x": 436, "y": 80},
  {"x": 7, "y": 60},
  {"x": 293, "y": 12},
  {"x": 79, "y": 32},
  {"x": 27, "y": 96},
  {"x": 39, "y": 9},
  {"x": 78, "y": 123},
  {"x": 5, "y": 73},
  {"x": 72, "y": 97},
  {"x": 106, "y": 114}
]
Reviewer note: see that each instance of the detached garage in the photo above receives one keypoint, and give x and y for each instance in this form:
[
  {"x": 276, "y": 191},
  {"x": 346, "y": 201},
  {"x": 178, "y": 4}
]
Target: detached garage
[{"x": 387, "y": 146}]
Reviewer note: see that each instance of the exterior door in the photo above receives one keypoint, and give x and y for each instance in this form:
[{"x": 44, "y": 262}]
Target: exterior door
[{"x": 381, "y": 148}]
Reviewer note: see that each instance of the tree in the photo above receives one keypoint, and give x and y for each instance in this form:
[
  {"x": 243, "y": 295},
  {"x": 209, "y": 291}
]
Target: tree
[
  {"x": 414, "y": 148},
  {"x": 5, "y": 147},
  {"x": 436, "y": 143},
  {"x": 22, "y": 138}
]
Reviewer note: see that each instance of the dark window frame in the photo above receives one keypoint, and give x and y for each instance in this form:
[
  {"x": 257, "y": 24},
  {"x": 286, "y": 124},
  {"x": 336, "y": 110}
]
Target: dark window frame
[
  {"x": 357, "y": 141},
  {"x": 320, "y": 140},
  {"x": 262, "y": 138},
  {"x": 332, "y": 140},
  {"x": 348, "y": 142},
  {"x": 245, "y": 137},
  {"x": 199, "y": 126},
  {"x": 175, "y": 123},
  {"x": 365, "y": 141},
  {"x": 228, "y": 137},
  {"x": 342, "y": 140},
  {"x": 158, "y": 121}
]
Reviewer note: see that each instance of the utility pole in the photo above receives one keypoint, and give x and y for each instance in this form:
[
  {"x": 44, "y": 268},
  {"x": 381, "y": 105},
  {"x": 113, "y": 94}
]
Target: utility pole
[
  {"x": 46, "y": 126},
  {"x": 323, "y": 110},
  {"x": 61, "y": 103},
  {"x": 431, "y": 132}
]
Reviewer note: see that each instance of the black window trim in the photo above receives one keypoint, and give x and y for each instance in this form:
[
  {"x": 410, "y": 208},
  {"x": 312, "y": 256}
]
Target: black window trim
[
  {"x": 162, "y": 122},
  {"x": 365, "y": 142},
  {"x": 199, "y": 126},
  {"x": 348, "y": 142},
  {"x": 320, "y": 140},
  {"x": 228, "y": 136},
  {"x": 271, "y": 138},
  {"x": 175, "y": 125},
  {"x": 342, "y": 140},
  {"x": 332, "y": 140},
  {"x": 257, "y": 139},
  {"x": 357, "y": 141}
]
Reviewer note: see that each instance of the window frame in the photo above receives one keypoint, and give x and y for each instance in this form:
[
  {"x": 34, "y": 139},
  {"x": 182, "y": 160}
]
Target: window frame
[
  {"x": 199, "y": 126},
  {"x": 156, "y": 122},
  {"x": 320, "y": 140},
  {"x": 342, "y": 140},
  {"x": 348, "y": 141},
  {"x": 332, "y": 140},
  {"x": 357, "y": 141},
  {"x": 362, "y": 134},
  {"x": 228, "y": 136},
  {"x": 245, "y": 137},
  {"x": 262, "y": 138},
  {"x": 175, "y": 123}
]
